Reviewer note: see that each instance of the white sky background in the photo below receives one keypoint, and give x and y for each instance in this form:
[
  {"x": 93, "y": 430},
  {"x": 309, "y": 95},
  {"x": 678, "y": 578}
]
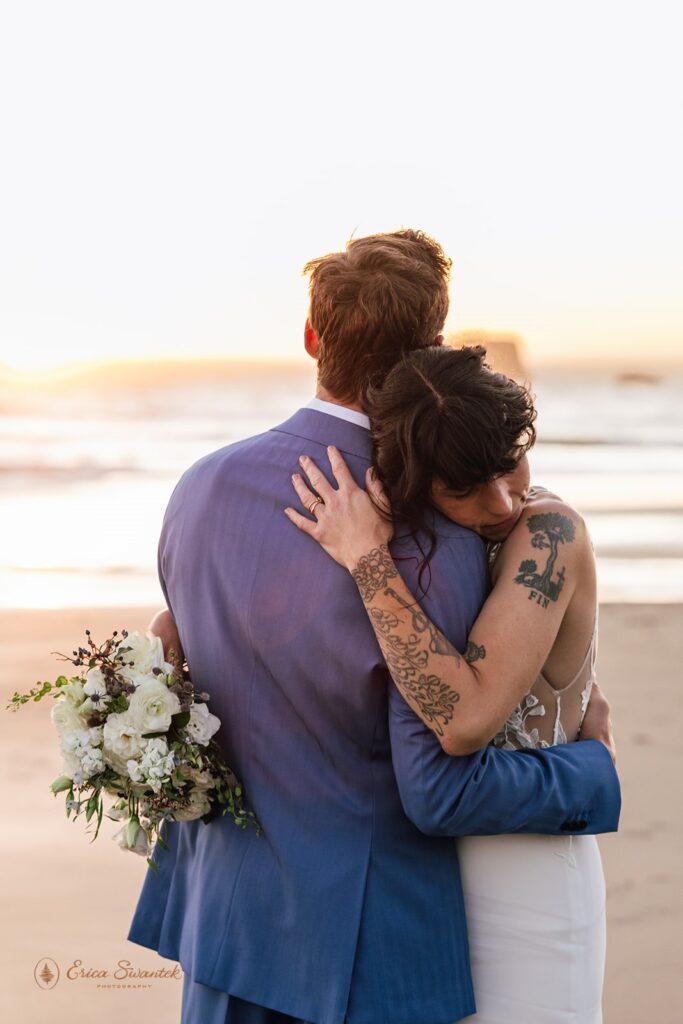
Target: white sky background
[{"x": 167, "y": 168}]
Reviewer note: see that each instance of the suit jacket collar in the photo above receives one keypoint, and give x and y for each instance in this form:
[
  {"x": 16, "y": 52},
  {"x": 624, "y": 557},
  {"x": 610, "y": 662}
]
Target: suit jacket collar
[{"x": 312, "y": 425}]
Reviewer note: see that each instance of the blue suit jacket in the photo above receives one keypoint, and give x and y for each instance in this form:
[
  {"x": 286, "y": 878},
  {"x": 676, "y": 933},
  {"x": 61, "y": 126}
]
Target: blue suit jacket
[{"x": 349, "y": 907}]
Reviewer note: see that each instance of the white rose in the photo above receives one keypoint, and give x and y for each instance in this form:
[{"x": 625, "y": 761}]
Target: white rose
[
  {"x": 197, "y": 806},
  {"x": 146, "y": 652},
  {"x": 115, "y": 761},
  {"x": 117, "y": 813},
  {"x": 203, "y": 779},
  {"x": 202, "y": 724},
  {"x": 152, "y": 705},
  {"x": 65, "y": 717},
  {"x": 141, "y": 844},
  {"x": 122, "y": 738}
]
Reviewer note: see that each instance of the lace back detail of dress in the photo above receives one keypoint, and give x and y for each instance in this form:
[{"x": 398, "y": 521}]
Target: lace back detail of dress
[{"x": 548, "y": 716}]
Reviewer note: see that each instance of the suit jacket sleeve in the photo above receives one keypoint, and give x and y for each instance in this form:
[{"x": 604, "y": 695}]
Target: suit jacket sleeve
[{"x": 571, "y": 788}]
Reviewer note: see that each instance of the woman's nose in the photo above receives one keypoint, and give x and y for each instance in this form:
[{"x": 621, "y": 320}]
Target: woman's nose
[{"x": 499, "y": 501}]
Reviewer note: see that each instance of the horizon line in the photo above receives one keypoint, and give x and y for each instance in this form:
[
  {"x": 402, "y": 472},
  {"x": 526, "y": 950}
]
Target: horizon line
[{"x": 73, "y": 368}]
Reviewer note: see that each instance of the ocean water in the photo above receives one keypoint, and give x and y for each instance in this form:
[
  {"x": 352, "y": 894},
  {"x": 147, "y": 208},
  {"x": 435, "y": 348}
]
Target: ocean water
[{"x": 85, "y": 475}]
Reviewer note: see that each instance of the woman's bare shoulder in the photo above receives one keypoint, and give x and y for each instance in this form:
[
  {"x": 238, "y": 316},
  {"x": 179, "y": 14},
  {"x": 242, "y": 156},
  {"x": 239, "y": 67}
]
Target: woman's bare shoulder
[
  {"x": 546, "y": 520},
  {"x": 541, "y": 501}
]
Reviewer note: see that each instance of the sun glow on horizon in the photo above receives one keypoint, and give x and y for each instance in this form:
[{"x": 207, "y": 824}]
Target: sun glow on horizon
[{"x": 177, "y": 225}]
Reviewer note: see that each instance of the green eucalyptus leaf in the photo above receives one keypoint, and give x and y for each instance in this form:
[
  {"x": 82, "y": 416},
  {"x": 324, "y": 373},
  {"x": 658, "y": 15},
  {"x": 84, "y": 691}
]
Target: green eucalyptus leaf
[{"x": 91, "y": 806}]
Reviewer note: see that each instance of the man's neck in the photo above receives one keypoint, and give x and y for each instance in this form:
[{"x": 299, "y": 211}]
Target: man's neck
[{"x": 324, "y": 395}]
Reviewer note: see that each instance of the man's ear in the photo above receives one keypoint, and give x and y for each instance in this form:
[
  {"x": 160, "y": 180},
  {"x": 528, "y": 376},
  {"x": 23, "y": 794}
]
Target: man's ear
[
  {"x": 438, "y": 340},
  {"x": 310, "y": 340}
]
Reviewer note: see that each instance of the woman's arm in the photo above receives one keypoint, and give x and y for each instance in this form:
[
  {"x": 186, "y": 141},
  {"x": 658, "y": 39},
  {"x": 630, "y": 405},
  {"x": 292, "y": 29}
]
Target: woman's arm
[{"x": 465, "y": 698}]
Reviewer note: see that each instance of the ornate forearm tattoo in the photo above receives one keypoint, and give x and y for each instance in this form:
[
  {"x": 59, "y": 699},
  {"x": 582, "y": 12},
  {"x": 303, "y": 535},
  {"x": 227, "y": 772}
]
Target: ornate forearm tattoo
[
  {"x": 407, "y": 646},
  {"x": 408, "y": 663},
  {"x": 549, "y": 530},
  {"x": 373, "y": 571}
]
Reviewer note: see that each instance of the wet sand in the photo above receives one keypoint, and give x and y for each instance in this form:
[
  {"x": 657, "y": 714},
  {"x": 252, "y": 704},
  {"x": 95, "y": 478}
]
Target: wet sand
[{"x": 67, "y": 901}]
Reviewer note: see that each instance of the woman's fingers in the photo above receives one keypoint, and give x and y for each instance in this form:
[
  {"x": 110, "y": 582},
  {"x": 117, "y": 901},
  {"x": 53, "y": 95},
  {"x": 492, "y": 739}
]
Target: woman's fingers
[
  {"x": 303, "y": 492},
  {"x": 376, "y": 490},
  {"x": 307, "y": 525},
  {"x": 318, "y": 479},
  {"x": 342, "y": 473}
]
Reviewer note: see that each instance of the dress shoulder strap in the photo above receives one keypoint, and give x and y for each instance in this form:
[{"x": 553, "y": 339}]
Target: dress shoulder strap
[{"x": 589, "y": 661}]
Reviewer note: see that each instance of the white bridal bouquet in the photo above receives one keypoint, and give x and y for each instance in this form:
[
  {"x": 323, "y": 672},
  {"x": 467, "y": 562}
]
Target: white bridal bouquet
[{"x": 131, "y": 725}]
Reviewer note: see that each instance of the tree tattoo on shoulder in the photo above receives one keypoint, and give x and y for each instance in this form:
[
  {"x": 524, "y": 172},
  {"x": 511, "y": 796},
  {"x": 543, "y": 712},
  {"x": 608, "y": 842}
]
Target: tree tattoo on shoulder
[{"x": 549, "y": 530}]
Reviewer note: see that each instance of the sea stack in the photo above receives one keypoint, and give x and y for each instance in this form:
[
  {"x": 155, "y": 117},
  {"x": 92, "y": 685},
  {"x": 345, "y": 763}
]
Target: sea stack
[{"x": 504, "y": 351}]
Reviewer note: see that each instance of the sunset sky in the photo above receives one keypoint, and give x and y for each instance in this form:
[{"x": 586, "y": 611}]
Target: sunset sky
[{"x": 169, "y": 167}]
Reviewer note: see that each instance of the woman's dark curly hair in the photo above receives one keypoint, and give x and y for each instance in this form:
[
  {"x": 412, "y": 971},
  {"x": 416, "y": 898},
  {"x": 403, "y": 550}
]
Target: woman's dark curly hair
[{"x": 443, "y": 412}]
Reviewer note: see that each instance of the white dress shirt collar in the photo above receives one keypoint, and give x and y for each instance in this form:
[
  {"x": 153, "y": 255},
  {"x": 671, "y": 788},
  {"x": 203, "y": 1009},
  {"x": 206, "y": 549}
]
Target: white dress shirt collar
[{"x": 341, "y": 411}]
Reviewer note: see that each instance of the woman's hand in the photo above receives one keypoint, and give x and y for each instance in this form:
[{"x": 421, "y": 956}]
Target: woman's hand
[
  {"x": 597, "y": 724},
  {"x": 163, "y": 625},
  {"x": 346, "y": 523}
]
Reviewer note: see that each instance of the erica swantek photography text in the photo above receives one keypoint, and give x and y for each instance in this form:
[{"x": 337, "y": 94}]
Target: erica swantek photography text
[{"x": 123, "y": 974}]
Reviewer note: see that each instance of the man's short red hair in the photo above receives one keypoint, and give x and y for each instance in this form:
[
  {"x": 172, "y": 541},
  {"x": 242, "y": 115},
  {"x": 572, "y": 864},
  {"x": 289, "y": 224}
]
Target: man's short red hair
[{"x": 385, "y": 295}]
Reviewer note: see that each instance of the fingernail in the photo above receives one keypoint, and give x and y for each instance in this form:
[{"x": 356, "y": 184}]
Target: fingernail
[
  {"x": 303, "y": 458},
  {"x": 295, "y": 477}
]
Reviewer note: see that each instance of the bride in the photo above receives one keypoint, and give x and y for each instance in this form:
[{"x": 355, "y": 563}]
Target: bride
[{"x": 450, "y": 433}]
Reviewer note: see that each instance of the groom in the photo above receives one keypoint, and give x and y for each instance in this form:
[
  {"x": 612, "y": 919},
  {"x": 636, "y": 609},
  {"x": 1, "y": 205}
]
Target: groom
[{"x": 349, "y": 907}]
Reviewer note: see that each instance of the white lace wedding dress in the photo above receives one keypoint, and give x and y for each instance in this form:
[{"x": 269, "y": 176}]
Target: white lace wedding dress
[{"x": 536, "y": 904}]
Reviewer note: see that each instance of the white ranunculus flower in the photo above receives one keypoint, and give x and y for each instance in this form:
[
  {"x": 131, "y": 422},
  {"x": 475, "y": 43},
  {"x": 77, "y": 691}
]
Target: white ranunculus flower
[
  {"x": 74, "y": 692},
  {"x": 202, "y": 724},
  {"x": 197, "y": 806},
  {"x": 122, "y": 736},
  {"x": 146, "y": 652},
  {"x": 65, "y": 717},
  {"x": 152, "y": 705}
]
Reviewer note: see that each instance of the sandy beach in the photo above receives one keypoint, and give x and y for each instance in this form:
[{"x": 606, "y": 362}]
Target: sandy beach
[{"x": 66, "y": 901}]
